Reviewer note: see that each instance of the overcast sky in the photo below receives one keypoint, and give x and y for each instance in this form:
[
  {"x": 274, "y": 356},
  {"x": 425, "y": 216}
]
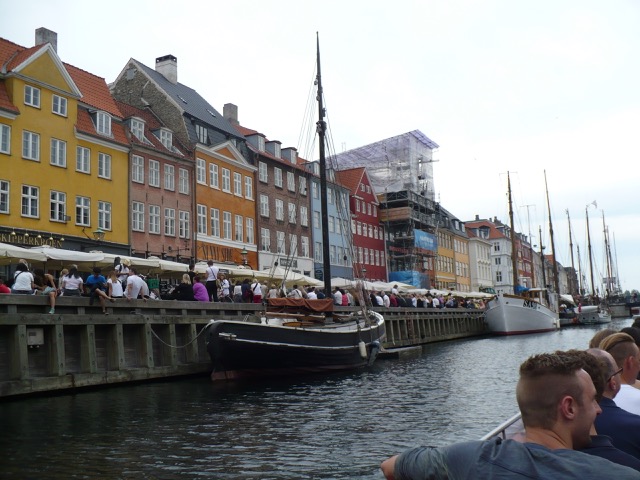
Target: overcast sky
[{"x": 500, "y": 85}]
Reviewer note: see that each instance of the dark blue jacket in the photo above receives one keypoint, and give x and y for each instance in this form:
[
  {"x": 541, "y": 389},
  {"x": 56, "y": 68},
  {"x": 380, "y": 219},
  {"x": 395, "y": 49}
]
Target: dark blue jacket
[
  {"x": 621, "y": 426},
  {"x": 601, "y": 446}
]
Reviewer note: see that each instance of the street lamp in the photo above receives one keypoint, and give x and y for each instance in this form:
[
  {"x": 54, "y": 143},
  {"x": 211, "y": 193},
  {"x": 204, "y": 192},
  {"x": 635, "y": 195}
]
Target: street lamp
[
  {"x": 98, "y": 235},
  {"x": 364, "y": 273},
  {"x": 244, "y": 254}
]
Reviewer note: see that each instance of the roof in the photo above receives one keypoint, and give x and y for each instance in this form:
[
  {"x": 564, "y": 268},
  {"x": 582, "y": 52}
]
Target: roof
[
  {"x": 5, "y": 101},
  {"x": 494, "y": 233},
  {"x": 95, "y": 91},
  {"x": 85, "y": 125},
  {"x": 190, "y": 101},
  {"x": 351, "y": 178}
]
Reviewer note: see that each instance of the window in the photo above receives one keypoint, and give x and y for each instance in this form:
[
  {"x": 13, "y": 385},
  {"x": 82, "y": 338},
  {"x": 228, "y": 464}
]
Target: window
[
  {"x": 279, "y": 210},
  {"x": 226, "y": 180},
  {"x": 237, "y": 184},
  {"x": 137, "y": 169},
  {"x": 137, "y": 217},
  {"x": 137, "y": 128},
  {"x": 314, "y": 190},
  {"x": 104, "y": 165},
  {"x": 304, "y": 216},
  {"x": 57, "y": 206},
  {"x": 4, "y": 196},
  {"x": 316, "y": 219},
  {"x": 214, "y": 179},
  {"x": 5, "y": 138},
  {"x": 292, "y": 213},
  {"x": 202, "y": 219},
  {"x": 170, "y": 222},
  {"x": 265, "y": 240},
  {"x": 239, "y": 230},
  {"x": 333, "y": 254},
  {"x": 104, "y": 215},
  {"x": 497, "y": 260},
  {"x": 215, "y": 222},
  {"x": 250, "y": 236},
  {"x": 183, "y": 179},
  {"x": 30, "y": 145},
  {"x": 226, "y": 225},
  {"x": 277, "y": 174},
  {"x": 317, "y": 252},
  {"x": 184, "y": 219},
  {"x": 59, "y": 105},
  {"x": 202, "y": 134},
  {"x": 248, "y": 188},
  {"x": 293, "y": 244},
  {"x": 375, "y": 211},
  {"x": 200, "y": 171},
  {"x": 32, "y": 96},
  {"x": 303, "y": 185},
  {"x": 103, "y": 123},
  {"x": 332, "y": 225},
  {"x": 58, "y": 152},
  {"x": 154, "y": 219},
  {"x": 166, "y": 138},
  {"x": 357, "y": 205},
  {"x": 280, "y": 246},
  {"x": 304, "y": 243},
  {"x": 169, "y": 177},
  {"x": 262, "y": 172},
  {"x": 368, "y": 209},
  {"x": 154, "y": 173},
  {"x": 83, "y": 214},
  {"x": 291, "y": 181},
  {"x": 499, "y": 277},
  {"x": 83, "y": 162},
  {"x": 264, "y": 205},
  {"x": 330, "y": 198},
  {"x": 496, "y": 247}
]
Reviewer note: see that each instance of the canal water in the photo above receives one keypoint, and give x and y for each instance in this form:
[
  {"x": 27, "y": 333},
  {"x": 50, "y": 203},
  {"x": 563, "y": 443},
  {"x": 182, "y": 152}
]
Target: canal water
[{"x": 320, "y": 427}]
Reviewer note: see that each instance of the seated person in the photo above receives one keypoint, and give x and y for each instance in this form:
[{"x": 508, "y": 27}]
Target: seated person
[
  {"x": 97, "y": 285},
  {"x": 184, "y": 290}
]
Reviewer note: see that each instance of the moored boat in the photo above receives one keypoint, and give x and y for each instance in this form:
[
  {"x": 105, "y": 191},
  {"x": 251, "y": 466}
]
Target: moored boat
[
  {"x": 508, "y": 314},
  {"x": 281, "y": 343}
]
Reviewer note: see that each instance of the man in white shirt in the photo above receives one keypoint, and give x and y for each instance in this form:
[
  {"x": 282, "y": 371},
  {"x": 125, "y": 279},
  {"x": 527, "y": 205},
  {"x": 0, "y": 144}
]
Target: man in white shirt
[
  {"x": 337, "y": 297},
  {"x": 224, "y": 288},
  {"x": 385, "y": 300},
  {"x": 624, "y": 350},
  {"x": 295, "y": 292},
  {"x": 212, "y": 284},
  {"x": 135, "y": 285},
  {"x": 311, "y": 294},
  {"x": 436, "y": 302}
]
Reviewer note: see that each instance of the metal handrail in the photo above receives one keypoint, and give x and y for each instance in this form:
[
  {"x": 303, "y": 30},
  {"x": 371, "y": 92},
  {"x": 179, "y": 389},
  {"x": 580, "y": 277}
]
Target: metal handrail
[{"x": 501, "y": 430}]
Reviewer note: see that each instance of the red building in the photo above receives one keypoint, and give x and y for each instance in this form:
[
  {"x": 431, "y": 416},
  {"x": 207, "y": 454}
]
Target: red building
[{"x": 369, "y": 258}]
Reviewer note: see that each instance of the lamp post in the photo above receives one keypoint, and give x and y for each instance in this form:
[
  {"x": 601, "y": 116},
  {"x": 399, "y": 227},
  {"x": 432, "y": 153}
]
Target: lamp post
[
  {"x": 244, "y": 254},
  {"x": 98, "y": 235},
  {"x": 364, "y": 273}
]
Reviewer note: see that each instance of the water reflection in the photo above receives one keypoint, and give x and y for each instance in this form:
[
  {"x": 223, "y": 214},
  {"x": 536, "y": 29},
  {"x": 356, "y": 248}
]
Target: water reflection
[{"x": 338, "y": 426}]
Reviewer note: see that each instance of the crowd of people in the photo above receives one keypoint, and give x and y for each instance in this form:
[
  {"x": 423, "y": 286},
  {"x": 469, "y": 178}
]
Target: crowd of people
[{"x": 581, "y": 416}]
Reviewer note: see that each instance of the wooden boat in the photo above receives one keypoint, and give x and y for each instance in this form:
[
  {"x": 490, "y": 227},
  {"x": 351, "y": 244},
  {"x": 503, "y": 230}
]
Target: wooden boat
[{"x": 295, "y": 336}]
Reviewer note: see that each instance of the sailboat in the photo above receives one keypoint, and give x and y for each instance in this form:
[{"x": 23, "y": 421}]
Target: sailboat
[
  {"x": 526, "y": 310},
  {"x": 297, "y": 336}
]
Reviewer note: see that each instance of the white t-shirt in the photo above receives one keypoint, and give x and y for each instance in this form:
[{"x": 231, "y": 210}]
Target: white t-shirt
[
  {"x": 116, "y": 288},
  {"x": 72, "y": 283},
  {"x": 224, "y": 285},
  {"x": 212, "y": 273},
  {"x": 312, "y": 295},
  {"x": 22, "y": 281},
  {"x": 134, "y": 286},
  {"x": 122, "y": 271},
  {"x": 628, "y": 398},
  {"x": 257, "y": 289}
]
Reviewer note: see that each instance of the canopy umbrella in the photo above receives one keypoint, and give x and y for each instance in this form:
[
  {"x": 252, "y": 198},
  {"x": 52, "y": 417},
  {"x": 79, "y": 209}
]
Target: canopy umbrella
[
  {"x": 10, "y": 254},
  {"x": 58, "y": 257}
]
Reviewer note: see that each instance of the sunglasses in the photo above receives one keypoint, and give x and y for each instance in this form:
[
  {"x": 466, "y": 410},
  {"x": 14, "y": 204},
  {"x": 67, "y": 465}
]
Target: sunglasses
[{"x": 614, "y": 374}]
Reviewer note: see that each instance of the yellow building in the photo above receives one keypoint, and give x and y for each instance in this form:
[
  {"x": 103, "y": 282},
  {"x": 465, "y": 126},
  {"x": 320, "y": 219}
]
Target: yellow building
[{"x": 63, "y": 153}]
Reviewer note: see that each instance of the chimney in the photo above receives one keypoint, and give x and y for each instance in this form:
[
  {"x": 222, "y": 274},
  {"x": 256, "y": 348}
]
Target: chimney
[
  {"x": 167, "y": 66},
  {"x": 44, "y": 36},
  {"x": 477, "y": 217},
  {"x": 230, "y": 113}
]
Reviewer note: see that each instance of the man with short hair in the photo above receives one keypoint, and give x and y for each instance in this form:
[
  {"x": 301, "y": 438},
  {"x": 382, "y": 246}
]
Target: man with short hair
[
  {"x": 135, "y": 285},
  {"x": 624, "y": 350},
  {"x": 212, "y": 281},
  {"x": 557, "y": 400}
]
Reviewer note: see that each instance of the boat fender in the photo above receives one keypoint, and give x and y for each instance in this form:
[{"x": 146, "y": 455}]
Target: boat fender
[
  {"x": 363, "y": 349},
  {"x": 375, "y": 348}
]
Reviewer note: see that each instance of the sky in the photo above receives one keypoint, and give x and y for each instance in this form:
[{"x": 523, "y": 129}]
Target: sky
[{"x": 501, "y": 85}]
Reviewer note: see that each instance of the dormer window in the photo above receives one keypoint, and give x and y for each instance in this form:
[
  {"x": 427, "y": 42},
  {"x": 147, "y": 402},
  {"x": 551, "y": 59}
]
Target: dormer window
[
  {"x": 137, "y": 128},
  {"x": 103, "y": 123},
  {"x": 202, "y": 133},
  {"x": 261, "y": 143},
  {"x": 166, "y": 137},
  {"x": 276, "y": 150}
]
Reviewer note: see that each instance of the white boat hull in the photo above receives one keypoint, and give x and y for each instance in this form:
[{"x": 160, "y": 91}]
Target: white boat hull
[{"x": 515, "y": 315}]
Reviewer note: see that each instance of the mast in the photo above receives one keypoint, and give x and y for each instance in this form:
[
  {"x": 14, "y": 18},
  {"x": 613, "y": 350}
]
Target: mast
[
  {"x": 581, "y": 276},
  {"x": 609, "y": 283},
  {"x": 514, "y": 254},
  {"x": 593, "y": 289},
  {"x": 556, "y": 283},
  {"x": 544, "y": 272},
  {"x": 322, "y": 130},
  {"x": 573, "y": 267}
]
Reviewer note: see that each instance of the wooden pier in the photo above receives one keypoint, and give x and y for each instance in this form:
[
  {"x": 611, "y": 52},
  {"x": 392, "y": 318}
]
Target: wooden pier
[{"x": 79, "y": 346}]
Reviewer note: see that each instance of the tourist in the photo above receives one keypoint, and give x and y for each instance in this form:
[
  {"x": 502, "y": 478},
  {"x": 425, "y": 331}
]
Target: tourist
[
  {"x": 46, "y": 284},
  {"x": 122, "y": 270},
  {"x": 184, "y": 290},
  {"x": 63, "y": 273},
  {"x": 72, "y": 283},
  {"x": 237, "y": 292},
  {"x": 350, "y": 300},
  {"x": 212, "y": 277},
  {"x": 393, "y": 300},
  {"x": 135, "y": 285},
  {"x": 97, "y": 285},
  {"x": 256, "y": 290},
  {"x": 192, "y": 272},
  {"x": 320, "y": 293},
  {"x": 621, "y": 426},
  {"x": 394, "y": 290},
  {"x": 294, "y": 293},
  {"x": 557, "y": 399},
  {"x": 337, "y": 297},
  {"x": 599, "y": 336},
  {"x": 3, "y": 286},
  {"x": 386, "y": 301},
  {"x": 311, "y": 293},
  {"x": 224, "y": 288},
  {"x": 114, "y": 286},
  {"x": 247, "y": 294},
  {"x": 379, "y": 301},
  {"x": 200, "y": 291},
  {"x": 624, "y": 350},
  {"x": 345, "y": 298},
  {"x": 23, "y": 283}
]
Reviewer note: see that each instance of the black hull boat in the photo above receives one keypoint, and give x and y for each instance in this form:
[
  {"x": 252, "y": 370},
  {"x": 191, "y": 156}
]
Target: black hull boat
[{"x": 284, "y": 344}]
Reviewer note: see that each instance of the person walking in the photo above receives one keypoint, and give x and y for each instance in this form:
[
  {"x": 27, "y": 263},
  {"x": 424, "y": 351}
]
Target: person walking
[{"x": 212, "y": 284}]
